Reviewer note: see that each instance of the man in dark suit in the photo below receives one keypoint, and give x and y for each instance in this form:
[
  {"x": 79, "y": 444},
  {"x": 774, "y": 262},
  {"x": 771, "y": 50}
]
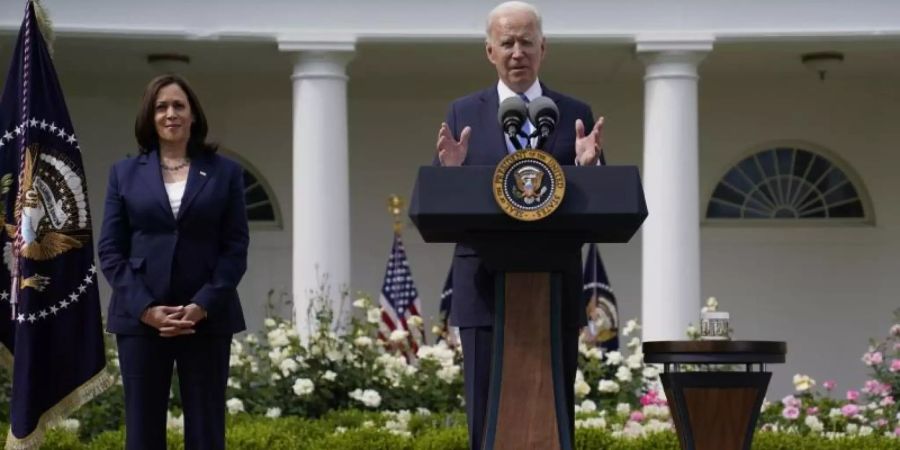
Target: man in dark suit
[{"x": 515, "y": 45}]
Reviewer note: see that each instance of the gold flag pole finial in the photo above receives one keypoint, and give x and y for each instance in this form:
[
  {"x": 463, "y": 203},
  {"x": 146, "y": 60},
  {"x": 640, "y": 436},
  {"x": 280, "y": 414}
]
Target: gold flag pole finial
[
  {"x": 395, "y": 207},
  {"x": 45, "y": 24}
]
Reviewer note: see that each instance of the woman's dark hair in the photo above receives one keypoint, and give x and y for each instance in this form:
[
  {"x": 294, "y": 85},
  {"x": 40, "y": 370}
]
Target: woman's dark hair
[{"x": 145, "y": 128}]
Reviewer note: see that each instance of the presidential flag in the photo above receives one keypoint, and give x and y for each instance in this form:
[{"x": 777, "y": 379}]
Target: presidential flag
[
  {"x": 400, "y": 304},
  {"x": 600, "y": 301},
  {"x": 448, "y": 332},
  {"x": 49, "y": 307}
]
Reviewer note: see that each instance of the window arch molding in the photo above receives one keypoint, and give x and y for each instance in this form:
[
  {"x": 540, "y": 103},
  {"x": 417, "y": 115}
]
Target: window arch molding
[
  {"x": 800, "y": 183},
  {"x": 263, "y": 211}
]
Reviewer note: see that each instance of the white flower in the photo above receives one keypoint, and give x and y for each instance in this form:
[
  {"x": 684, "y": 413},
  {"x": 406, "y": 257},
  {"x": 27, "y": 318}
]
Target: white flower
[
  {"x": 329, "y": 376},
  {"x": 398, "y": 335},
  {"x": 712, "y": 303},
  {"x": 276, "y": 355},
  {"x": 273, "y": 413},
  {"x": 593, "y": 422},
  {"x": 232, "y": 383},
  {"x": 814, "y": 424},
  {"x": 803, "y": 382},
  {"x": 635, "y": 360},
  {"x": 623, "y": 374},
  {"x": 288, "y": 366},
  {"x": 834, "y": 413},
  {"x": 235, "y": 361},
  {"x": 630, "y": 327},
  {"x": 623, "y": 409},
  {"x": 608, "y": 386},
  {"x": 614, "y": 358},
  {"x": 361, "y": 303},
  {"x": 634, "y": 343},
  {"x": 414, "y": 322},
  {"x": 234, "y": 405},
  {"x": 650, "y": 372},
  {"x": 175, "y": 423},
  {"x": 368, "y": 397},
  {"x": 303, "y": 386},
  {"x": 269, "y": 322},
  {"x": 368, "y": 424},
  {"x": 594, "y": 353},
  {"x": 865, "y": 430},
  {"x": 581, "y": 387},
  {"x": 423, "y": 411},
  {"x": 278, "y": 338},
  {"x": 448, "y": 373},
  {"x": 363, "y": 341},
  {"x": 373, "y": 315},
  {"x": 588, "y": 406},
  {"x": 852, "y": 428},
  {"x": 250, "y": 339}
]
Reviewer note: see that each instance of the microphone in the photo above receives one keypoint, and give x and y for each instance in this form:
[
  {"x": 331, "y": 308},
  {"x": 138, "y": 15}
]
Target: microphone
[
  {"x": 543, "y": 114},
  {"x": 512, "y": 115}
]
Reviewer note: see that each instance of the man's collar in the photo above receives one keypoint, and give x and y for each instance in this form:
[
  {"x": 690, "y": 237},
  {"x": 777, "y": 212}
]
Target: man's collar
[{"x": 504, "y": 92}]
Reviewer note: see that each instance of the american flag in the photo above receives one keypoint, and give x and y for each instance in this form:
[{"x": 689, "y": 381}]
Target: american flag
[{"x": 400, "y": 298}]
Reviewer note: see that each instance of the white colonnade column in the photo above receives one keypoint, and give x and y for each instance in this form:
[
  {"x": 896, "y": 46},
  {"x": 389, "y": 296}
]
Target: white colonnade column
[
  {"x": 321, "y": 184},
  {"x": 671, "y": 234}
]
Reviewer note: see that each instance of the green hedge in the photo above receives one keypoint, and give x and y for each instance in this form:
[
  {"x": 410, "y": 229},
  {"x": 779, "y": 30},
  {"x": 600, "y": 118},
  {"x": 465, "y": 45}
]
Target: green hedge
[{"x": 258, "y": 433}]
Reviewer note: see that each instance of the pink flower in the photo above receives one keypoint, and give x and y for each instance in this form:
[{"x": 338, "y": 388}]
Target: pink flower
[
  {"x": 873, "y": 358},
  {"x": 872, "y": 387},
  {"x": 887, "y": 401},
  {"x": 852, "y": 395},
  {"x": 650, "y": 398},
  {"x": 829, "y": 384},
  {"x": 790, "y": 401},
  {"x": 636, "y": 416},
  {"x": 812, "y": 411},
  {"x": 897, "y": 431},
  {"x": 895, "y": 330},
  {"x": 850, "y": 410},
  {"x": 790, "y": 412},
  {"x": 895, "y": 365},
  {"x": 880, "y": 423}
]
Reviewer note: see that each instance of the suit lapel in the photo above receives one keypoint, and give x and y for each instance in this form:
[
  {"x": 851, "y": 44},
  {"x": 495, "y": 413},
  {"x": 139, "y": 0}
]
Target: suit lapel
[
  {"x": 152, "y": 178},
  {"x": 496, "y": 140},
  {"x": 200, "y": 172}
]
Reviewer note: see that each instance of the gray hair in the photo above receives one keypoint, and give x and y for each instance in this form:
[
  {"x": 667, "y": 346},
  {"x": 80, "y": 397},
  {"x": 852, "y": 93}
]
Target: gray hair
[{"x": 512, "y": 6}]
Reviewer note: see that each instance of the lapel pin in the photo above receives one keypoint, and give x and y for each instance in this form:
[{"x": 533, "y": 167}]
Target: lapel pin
[{"x": 202, "y": 173}]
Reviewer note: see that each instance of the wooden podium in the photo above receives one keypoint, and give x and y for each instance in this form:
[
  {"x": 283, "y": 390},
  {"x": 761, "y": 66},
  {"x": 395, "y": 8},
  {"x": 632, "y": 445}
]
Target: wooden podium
[
  {"x": 527, "y": 408},
  {"x": 713, "y": 409}
]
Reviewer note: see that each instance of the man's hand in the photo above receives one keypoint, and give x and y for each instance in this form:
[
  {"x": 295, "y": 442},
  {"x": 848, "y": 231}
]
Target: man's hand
[
  {"x": 450, "y": 152},
  {"x": 169, "y": 320},
  {"x": 588, "y": 148}
]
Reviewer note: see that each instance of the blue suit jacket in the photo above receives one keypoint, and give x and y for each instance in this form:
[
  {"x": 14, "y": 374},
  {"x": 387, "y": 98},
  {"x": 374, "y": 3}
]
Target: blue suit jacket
[
  {"x": 473, "y": 284},
  {"x": 150, "y": 257}
]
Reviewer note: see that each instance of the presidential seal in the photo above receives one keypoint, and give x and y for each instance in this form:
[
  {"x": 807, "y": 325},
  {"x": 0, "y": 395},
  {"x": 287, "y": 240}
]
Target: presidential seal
[{"x": 529, "y": 185}]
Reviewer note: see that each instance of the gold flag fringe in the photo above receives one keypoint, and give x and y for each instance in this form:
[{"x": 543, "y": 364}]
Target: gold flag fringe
[
  {"x": 44, "y": 24},
  {"x": 6, "y": 357},
  {"x": 81, "y": 395}
]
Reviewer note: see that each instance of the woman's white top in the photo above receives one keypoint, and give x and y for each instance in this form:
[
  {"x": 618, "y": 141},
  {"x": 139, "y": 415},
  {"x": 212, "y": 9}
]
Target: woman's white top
[{"x": 175, "y": 191}]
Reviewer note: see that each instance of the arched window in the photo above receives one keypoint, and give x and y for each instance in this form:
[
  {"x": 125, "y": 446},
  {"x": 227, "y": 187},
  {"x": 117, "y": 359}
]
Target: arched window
[
  {"x": 790, "y": 183},
  {"x": 262, "y": 206}
]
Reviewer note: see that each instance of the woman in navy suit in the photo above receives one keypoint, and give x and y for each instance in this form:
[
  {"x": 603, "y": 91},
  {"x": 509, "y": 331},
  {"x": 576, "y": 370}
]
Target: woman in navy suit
[{"x": 173, "y": 248}]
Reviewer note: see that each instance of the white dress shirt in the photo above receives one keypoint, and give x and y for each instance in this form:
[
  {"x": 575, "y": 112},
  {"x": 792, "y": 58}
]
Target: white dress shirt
[
  {"x": 175, "y": 191},
  {"x": 504, "y": 92}
]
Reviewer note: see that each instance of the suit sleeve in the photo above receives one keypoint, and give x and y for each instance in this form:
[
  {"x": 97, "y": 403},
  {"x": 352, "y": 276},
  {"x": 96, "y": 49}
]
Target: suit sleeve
[
  {"x": 114, "y": 249},
  {"x": 235, "y": 238}
]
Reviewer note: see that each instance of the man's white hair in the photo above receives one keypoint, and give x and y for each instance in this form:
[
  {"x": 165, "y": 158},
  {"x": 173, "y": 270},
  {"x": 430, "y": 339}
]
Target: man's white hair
[{"x": 513, "y": 6}]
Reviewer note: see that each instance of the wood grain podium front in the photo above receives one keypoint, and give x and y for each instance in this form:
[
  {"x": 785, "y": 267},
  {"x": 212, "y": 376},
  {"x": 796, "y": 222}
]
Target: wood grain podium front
[
  {"x": 526, "y": 405},
  {"x": 715, "y": 409}
]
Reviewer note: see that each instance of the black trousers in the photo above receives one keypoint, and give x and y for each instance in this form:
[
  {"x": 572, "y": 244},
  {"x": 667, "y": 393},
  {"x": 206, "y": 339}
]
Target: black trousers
[
  {"x": 146, "y": 362},
  {"x": 477, "y": 343}
]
